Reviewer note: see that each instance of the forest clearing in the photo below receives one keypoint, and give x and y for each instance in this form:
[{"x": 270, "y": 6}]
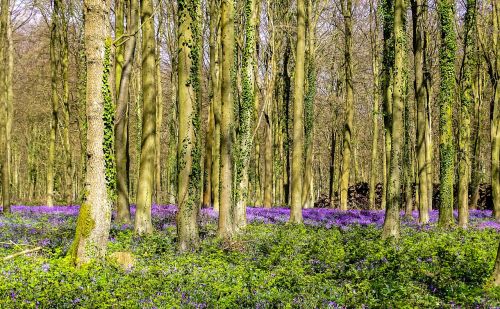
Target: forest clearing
[{"x": 249, "y": 154}]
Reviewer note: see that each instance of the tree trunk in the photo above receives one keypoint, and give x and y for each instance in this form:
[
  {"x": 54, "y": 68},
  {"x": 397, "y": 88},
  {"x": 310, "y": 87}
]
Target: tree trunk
[
  {"x": 188, "y": 148},
  {"x": 55, "y": 44},
  {"x": 376, "y": 102},
  {"x": 159, "y": 120},
  {"x": 348, "y": 126},
  {"x": 226, "y": 228},
  {"x": 245, "y": 117},
  {"x": 308, "y": 185},
  {"x": 215, "y": 100},
  {"x": 495, "y": 115},
  {"x": 121, "y": 117},
  {"x": 387, "y": 12},
  {"x": 467, "y": 98},
  {"x": 298, "y": 119},
  {"x": 4, "y": 103},
  {"x": 391, "y": 226},
  {"x": 420, "y": 98},
  {"x": 94, "y": 219},
  {"x": 145, "y": 186},
  {"x": 446, "y": 98}
]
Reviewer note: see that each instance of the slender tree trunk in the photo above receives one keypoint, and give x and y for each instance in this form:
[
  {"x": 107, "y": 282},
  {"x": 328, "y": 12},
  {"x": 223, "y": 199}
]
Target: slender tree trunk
[
  {"x": 467, "y": 98},
  {"x": 159, "y": 120},
  {"x": 420, "y": 98},
  {"x": 55, "y": 44},
  {"x": 476, "y": 128},
  {"x": 348, "y": 125},
  {"x": 94, "y": 219},
  {"x": 64, "y": 54},
  {"x": 226, "y": 228},
  {"x": 495, "y": 114},
  {"x": 387, "y": 11},
  {"x": 215, "y": 100},
  {"x": 308, "y": 185},
  {"x": 121, "y": 117},
  {"x": 446, "y": 98},
  {"x": 376, "y": 102},
  {"x": 298, "y": 118},
  {"x": 188, "y": 148},
  {"x": 4, "y": 103},
  {"x": 145, "y": 186},
  {"x": 391, "y": 226},
  {"x": 268, "y": 130},
  {"x": 245, "y": 117}
]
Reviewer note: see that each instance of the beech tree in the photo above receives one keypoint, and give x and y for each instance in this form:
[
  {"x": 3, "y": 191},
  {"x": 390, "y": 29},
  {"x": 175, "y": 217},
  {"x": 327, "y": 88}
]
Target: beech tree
[
  {"x": 94, "y": 218},
  {"x": 391, "y": 226},
  {"x": 298, "y": 116},
  {"x": 145, "y": 187},
  {"x": 124, "y": 56},
  {"x": 6, "y": 68},
  {"x": 447, "y": 56},
  {"x": 188, "y": 148},
  {"x": 226, "y": 227}
]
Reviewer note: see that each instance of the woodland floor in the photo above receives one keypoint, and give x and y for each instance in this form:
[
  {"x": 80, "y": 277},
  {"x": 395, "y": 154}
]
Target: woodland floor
[{"x": 335, "y": 260}]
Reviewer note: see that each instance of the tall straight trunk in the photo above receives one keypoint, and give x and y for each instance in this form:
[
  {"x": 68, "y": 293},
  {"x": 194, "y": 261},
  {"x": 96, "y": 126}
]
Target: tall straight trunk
[
  {"x": 9, "y": 58},
  {"x": 286, "y": 121},
  {"x": 348, "y": 125},
  {"x": 467, "y": 98},
  {"x": 268, "y": 130},
  {"x": 428, "y": 95},
  {"x": 215, "y": 100},
  {"x": 308, "y": 185},
  {"x": 447, "y": 55},
  {"x": 5, "y": 105},
  {"x": 391, "y": 226},
  {"x": 269, "y": 125},
  {"x": 298, "y": 118},
  {"x": 159, "y": 120},
  {"x": 332, "y": 168},
  {"x": 226, "y": 228},
  {"x": 64, "y": 55},
  {"x": 55, "y": 44},
  {"x": 207, "y": 165},
  {"x": 256, "y": 184},
  {"x": 245, "y": 117},
  {"x": 420, "y": 98},
  {"x": 376, "y": 101},
  {"x": 188, "y": 148},
  {"x": 475, "y": 134},
  {"x": 495, "y": 114},
  {"x": 145, "y": 187},
  {"x": 122, "y": 116},
  {"x": 387, "y": 11},
  {"x": 94, "y": 218},
  {"x": 408, "y": 149}
]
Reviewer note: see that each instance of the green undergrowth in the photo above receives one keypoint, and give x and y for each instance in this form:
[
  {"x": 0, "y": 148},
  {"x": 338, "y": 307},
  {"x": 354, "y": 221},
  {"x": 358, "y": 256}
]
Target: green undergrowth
[{"x": 267, "y": 266}]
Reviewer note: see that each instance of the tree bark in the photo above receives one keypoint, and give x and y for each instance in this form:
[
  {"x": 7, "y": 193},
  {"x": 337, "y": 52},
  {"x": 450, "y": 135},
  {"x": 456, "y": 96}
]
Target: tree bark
[
  {"x": 446, "y": 99},
  {"x": 348, "y": 126},
  {"x": 376, "y": 102},
  {"x": 467, "y": 99},
  {"x": 391, "y": 226},
  {"x": 94, "y": 219},
  {"x": 298, "y": 119},
  {"x": 145, "y": 186},
  {"x": 226, "y": 227},
  {"x": 188, "y": 148}
]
